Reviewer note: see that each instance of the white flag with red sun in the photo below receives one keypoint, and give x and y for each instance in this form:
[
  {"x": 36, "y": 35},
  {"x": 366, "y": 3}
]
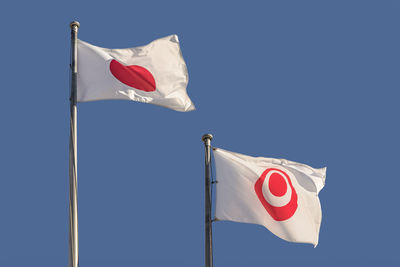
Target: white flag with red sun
[
  {"x": 155, "y": 73},
  {"x": 279, "y": 194}
]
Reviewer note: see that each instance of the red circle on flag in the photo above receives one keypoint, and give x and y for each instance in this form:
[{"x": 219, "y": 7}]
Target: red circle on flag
[
  {"x": 277, "y": 186},
  {"x": 134, "y": 76}
]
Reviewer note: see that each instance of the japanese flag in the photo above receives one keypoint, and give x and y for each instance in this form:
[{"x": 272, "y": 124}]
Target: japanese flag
[
  {"x": 279, "y": 194},
  {"x": 155, "y": 73}
]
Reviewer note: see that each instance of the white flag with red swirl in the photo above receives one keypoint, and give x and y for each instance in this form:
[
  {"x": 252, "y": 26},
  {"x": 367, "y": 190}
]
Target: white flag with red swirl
[
  {"x": 155, "y": 73},
  {"x": 279, "y": 194}
]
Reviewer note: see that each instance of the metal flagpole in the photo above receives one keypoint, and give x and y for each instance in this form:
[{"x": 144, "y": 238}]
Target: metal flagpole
[
  {"x": 208, "y": 223},
  {"x": 73, "y": 201}
]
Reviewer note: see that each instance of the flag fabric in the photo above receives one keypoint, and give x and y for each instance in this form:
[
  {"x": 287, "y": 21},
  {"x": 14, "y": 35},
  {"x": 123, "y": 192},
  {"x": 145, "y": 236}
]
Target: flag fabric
[
  {"x": 279, "y": 194},
  {"x": 155, "y": 73}
]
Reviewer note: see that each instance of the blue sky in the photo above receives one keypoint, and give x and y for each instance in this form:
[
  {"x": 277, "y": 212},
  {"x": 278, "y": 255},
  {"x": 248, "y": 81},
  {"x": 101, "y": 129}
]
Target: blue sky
[{"x": 311, "y": 81}]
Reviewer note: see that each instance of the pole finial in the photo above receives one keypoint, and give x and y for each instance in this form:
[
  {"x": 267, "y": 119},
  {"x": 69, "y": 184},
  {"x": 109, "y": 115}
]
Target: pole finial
[
  {"x": 74, "y": 23},
  {"x": 206, "y": 137}
]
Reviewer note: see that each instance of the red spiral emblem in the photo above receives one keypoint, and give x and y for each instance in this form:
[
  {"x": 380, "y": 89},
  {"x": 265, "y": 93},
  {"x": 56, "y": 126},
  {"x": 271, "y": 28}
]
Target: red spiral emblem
[{"x": 275, "y": 191}]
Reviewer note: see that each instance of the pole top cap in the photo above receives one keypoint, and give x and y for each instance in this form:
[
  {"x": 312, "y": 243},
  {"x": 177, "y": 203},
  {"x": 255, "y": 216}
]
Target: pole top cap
[
  {"x": 74, "y": 23},
  {"x": 206, "y": 137}
]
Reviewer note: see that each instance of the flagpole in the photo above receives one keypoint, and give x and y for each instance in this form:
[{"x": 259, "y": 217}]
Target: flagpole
[
  {"x": 73, "y": 200},
  {"x": 208, "y": 223}
]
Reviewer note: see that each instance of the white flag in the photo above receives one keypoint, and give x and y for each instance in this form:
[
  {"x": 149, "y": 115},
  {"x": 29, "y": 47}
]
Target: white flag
[
  {"x": 155, "y": 73},
  {"x": 279, "y": 194}
]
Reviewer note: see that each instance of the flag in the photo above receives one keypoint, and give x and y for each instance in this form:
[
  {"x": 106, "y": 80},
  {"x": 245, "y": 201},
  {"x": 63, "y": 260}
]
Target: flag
[
  {"x": 155, "y": 73},
  {"x": 279, "y": 194}
]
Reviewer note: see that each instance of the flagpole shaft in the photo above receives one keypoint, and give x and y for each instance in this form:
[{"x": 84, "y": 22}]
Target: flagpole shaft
[
  {"x": 208, "y": 223},
  {"x": 73, "y": 200}
]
